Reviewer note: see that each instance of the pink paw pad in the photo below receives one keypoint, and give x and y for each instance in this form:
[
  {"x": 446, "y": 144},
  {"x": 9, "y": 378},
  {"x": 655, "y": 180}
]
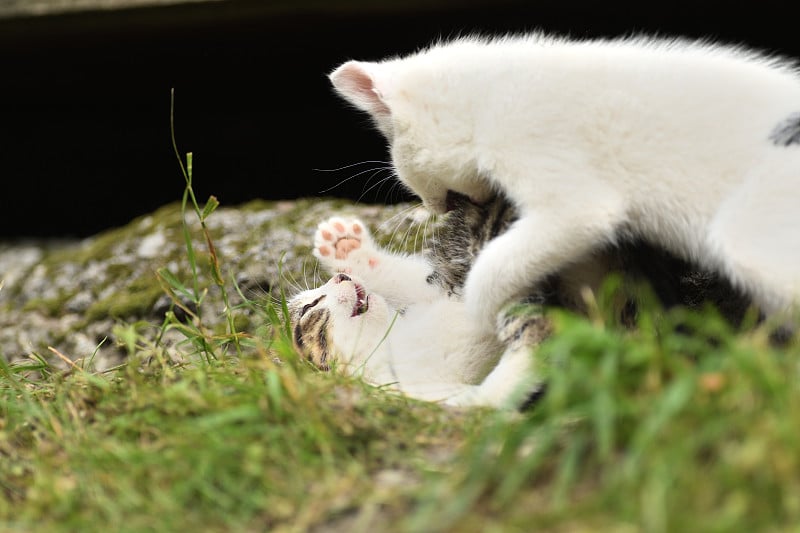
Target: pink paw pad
[
  {"x": 338, "y": 238},
  {"x": 346, "y": 245}
]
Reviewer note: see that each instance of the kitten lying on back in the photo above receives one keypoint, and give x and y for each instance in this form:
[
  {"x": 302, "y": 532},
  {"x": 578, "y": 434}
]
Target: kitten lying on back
[
  {"x": 381, "y": 319},
  {"x": 692, "y": 147}
]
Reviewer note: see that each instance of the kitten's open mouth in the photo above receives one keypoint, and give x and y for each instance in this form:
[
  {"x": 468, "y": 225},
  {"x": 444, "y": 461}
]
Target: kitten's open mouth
[{"x": 362, "y": 301}]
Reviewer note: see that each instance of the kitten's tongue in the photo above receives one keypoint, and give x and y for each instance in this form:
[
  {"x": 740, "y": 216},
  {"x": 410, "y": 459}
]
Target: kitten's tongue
[{"x": 362, "y": 301}]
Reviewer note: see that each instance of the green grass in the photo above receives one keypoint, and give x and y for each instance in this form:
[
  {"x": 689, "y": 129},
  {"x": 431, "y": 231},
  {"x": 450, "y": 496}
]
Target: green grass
[
  {"x": 649, "y": 429},
  {"x": 225, "y": 446},
  {"x": 679, "y": 424}
]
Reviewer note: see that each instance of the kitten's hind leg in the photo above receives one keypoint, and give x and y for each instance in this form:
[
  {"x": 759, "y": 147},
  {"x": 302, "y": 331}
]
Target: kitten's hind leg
[{"x": 513, "y": 382}]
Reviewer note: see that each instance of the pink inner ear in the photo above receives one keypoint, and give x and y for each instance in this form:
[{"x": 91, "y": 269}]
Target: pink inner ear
[{"x": 354, "y": 81}]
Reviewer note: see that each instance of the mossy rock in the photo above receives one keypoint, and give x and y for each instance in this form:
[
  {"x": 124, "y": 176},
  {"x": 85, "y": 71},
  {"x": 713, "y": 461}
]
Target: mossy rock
[{"x": 71, "y": 295}]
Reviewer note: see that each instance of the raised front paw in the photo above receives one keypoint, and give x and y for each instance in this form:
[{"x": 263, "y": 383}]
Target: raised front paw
[{"x": 345, "y": 245}]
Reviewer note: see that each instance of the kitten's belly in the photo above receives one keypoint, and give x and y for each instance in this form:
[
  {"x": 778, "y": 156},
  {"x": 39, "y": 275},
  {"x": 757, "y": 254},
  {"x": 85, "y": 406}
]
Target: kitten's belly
[
  {"x": 440, "y": 338},
  {"x": 682, "y": 232}
]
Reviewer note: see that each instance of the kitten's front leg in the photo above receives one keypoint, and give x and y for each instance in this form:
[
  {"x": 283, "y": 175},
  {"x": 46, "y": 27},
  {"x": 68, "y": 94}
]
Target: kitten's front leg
[
  {"x": 534, "y": 247},
  {"x": 345, "y": 245}
]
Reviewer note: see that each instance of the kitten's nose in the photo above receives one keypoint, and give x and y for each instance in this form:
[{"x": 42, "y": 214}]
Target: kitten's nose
[{"x": 341, "y": 277}]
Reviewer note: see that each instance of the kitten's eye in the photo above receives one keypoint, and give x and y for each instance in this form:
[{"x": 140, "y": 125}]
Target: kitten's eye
[{"x": 309, "y": 306}]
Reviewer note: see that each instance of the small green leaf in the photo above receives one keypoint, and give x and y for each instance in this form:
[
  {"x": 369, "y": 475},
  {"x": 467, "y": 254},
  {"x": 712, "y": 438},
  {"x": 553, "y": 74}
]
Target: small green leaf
[
  {"x": 175, "y": 283},
  {"x": 210, "y": 206},
  {"x": 189, "y": 166}
]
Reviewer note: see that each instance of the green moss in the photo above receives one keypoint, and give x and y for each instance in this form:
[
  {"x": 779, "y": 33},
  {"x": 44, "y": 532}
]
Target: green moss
[
  {"x": 254, "y": 206},
  {"x": 118, "y": 270},
  {"x": 49, "y": 306},
  {"x": 137, "y": 299},
  {"x": 103, "y": 245}
]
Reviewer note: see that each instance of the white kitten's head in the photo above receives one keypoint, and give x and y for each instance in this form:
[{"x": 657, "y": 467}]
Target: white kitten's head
[
  {"x": 426, "y": 119},
  {"x": 339, "y": 324}
]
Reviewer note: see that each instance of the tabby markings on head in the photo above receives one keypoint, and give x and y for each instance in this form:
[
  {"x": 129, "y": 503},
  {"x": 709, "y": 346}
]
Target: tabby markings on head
[{"x": 310, "y": 330}]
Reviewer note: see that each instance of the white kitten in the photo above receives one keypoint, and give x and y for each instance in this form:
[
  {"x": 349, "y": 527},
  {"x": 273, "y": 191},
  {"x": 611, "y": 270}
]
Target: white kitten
[
  {"x": 692, "y": 146},
  {"x": 381, "y": 320}
]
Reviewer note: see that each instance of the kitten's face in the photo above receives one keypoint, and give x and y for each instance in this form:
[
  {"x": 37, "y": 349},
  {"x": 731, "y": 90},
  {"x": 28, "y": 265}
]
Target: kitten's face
[
  {"x": 339, "y": 323},
  {"x": 430, "y": 140}
]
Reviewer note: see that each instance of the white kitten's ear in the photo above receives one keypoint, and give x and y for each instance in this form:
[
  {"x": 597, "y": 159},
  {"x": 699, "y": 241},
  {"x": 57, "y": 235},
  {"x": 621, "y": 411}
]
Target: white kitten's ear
[{"x": 356, "y": 82}]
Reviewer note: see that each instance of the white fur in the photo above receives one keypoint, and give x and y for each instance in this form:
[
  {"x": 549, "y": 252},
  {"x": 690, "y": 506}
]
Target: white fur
[
  {"x": 417, "y": 341},
  {"x": 664, "y": 139}
]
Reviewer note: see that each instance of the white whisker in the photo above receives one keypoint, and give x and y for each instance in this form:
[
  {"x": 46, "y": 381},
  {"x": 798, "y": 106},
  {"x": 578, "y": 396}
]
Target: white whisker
[
  {"x": 357, "y": 174},
  {"x": 289, "y": 278},
  {"x": 382, "y": 181},
  {"x": 351, "y": 166}
]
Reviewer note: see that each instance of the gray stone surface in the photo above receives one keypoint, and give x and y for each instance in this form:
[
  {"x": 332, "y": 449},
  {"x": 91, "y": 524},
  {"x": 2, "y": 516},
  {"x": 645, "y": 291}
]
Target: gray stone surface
[{"x": 78, "y": 297}]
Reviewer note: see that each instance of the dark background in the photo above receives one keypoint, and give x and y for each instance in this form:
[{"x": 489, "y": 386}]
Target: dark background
[{"x": 85, "y": 98}]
